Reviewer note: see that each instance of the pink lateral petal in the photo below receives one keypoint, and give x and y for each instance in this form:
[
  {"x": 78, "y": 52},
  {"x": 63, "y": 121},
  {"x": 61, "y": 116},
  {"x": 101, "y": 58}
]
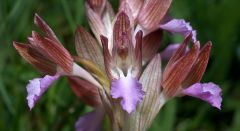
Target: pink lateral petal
[
  {"x": 179, "y": 26},
  {"x": 37, "y": 86},
  {"x": 91, "y": 121},
  {"x": 208, "y": 92},
  {"x": 130, "y": 90}
]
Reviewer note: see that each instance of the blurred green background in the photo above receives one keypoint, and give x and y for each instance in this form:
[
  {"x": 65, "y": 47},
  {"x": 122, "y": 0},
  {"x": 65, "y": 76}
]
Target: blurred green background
[{"x": 59, "y": 108}]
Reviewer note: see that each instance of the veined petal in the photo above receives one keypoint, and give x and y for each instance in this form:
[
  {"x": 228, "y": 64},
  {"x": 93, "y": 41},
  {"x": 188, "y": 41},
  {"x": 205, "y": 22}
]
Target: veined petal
[
  {"x": 174, "y": 75},
  {"x": 151, "y": 44},
  {"x": 129, "y": 90},
  {"x": 137, "y": 69},
  {"x": 124, "y": 7},
  {"x": 135, "y": 6},
  {"x": 95, "y": 23},
  {"x": 109, "y": 11},
  {"x": 151, "y": 82},
  {"x": 107, "y": 19},
  {"x": 151, "y": 76},
  {"x": 95, "y": 71},
  {"x": 167, "y": 53},
  {"x": 37, "y": 87},
  {"x": 100, "y": 16},
  {"x": 199, "y": 67},
  {"x": 82, "y": 73},
  {"x": 91, "y": 121},
  {"x": 97, "y": 5},
  {"x": 153, "y": 12},
  {"x": 85, "y": 90},
  {"x": 107, "y": 59},
  {"x": 56, "y": 51},
  {"x": 36, "y": 58},
  {"x": 88, "y": 48},
  {"x": 208, "y": 92},
  {"x": 35, "y": 46},
  {"x": 45, "y": 28},
  {"x": 180, "y": 51},
  {"x": 122, "y": 38},
  {"x": 179, "y": 26}
]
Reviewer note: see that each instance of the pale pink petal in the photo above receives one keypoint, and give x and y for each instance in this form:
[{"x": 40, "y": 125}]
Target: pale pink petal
[
  {"x": 179, "y": 26},
  {"x": 95, "y": 22},
  {"x": 87, "y": 47},
  {"x": 208, "y": 92},
  {"x": 129, "y": 90},
  {"x": 84, "y": 74},
  {"x": 36, "y": 87},
  {"x": 134, "y": 5},
  {"x": 91, "y": 121},
  {"x": 152, "y": 12}
]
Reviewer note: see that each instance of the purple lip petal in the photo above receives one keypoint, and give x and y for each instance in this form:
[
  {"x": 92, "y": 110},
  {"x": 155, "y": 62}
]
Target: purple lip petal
[
  {"x": 91, "y": 121},
  {"x": 208, "y": 92},
  {"x": 130, "y": 90},
  {"x": 179, "y": 26},
  {"x": 37, "y": 86}
]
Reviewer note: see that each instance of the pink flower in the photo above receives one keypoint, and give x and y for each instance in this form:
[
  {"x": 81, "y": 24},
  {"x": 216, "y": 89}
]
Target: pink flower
[{"x": 120, "y": 73}]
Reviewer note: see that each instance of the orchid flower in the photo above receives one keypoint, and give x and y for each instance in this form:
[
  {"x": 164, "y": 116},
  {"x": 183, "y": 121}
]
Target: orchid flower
[{"x": 121, "y": 72}]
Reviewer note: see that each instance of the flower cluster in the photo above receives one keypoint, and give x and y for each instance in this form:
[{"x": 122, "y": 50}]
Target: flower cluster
[{"x": 121, "y": 74}]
